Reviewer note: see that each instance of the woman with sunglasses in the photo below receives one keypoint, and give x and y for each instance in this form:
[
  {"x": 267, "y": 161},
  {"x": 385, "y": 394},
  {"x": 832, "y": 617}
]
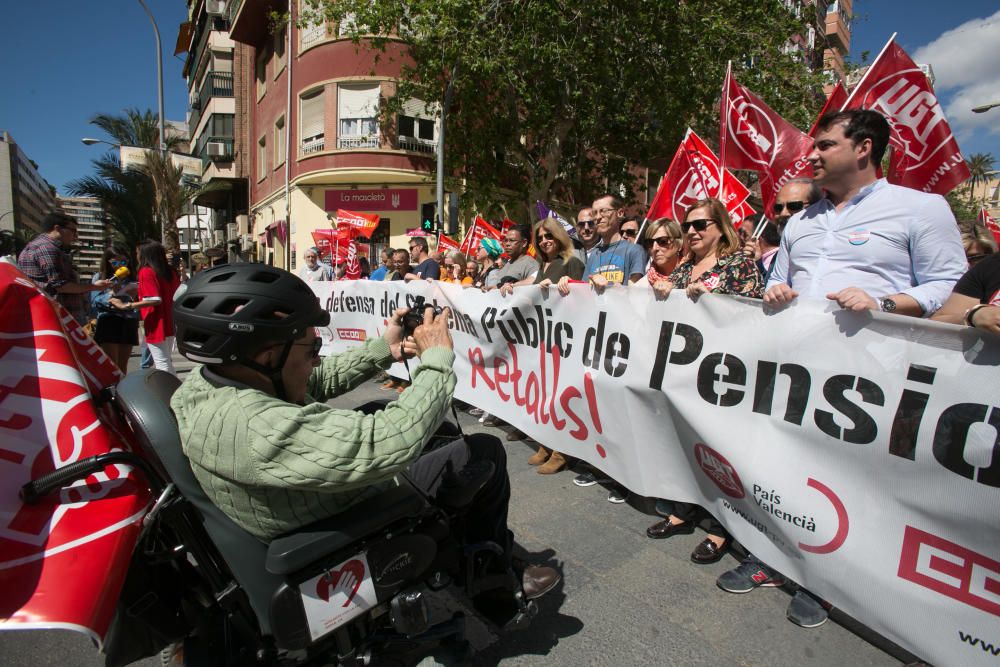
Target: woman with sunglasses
[
  {"x": 716, "y": 264},
  {"x": 663, "y": 241},
  {"x": 559, "y": 265}
]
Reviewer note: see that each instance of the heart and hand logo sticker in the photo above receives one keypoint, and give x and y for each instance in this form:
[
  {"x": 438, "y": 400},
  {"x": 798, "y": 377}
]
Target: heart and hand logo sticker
[{"x": 346, "y": 581}]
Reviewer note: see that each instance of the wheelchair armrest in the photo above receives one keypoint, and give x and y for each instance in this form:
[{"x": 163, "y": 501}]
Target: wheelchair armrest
[{"x": 295, "y": 551}]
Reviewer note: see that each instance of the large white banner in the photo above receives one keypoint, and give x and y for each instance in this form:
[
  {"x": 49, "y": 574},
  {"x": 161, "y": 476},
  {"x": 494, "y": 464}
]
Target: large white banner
[{"x": 858, "y": 454}]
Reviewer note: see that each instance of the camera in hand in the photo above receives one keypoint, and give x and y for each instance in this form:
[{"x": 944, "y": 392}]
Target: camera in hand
[{"x": 415, "y": 317}]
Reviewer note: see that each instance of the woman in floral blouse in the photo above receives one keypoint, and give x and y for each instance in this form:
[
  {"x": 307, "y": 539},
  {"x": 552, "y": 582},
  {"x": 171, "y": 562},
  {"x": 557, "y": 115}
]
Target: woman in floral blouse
[{"x": 716, "y": 264}]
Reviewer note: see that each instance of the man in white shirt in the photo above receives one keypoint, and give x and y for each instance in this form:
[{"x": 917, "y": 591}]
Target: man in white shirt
[
  {"x": 313, "y": 269},
  {"x": 868, "y": 245}
]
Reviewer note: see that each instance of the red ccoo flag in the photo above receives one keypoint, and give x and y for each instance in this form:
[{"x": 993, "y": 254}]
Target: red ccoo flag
[
  {"x": 694, "y": 174},
  {"x": 989, "y": 223},
  {"x": 925, "y": 155},
  {"x": 753, "y": 136},
  {"x": 838, "y": 96},
  {"x": 480, "y": 229},
  {"x": 447, "y": 244},
  {"x": 361, "y": 224}
]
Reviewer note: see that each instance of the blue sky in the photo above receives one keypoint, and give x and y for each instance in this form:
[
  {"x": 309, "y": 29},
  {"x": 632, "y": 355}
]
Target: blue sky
[{"x": 66, "y": 60}]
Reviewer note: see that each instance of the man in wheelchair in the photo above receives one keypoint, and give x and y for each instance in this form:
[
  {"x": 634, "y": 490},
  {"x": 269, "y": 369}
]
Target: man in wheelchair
[{"x": 274, "y": 457}]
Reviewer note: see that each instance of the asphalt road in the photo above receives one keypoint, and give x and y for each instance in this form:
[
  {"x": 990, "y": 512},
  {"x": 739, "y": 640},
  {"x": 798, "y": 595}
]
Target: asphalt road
[{"x": 624, "y": 600}]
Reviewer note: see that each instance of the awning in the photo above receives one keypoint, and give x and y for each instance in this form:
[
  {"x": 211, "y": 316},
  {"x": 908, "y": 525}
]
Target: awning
[{"x": 184, "y": 34}]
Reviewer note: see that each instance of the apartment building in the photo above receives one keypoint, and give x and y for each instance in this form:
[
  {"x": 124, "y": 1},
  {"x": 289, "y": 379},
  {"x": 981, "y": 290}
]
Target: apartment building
[
  {"x": 93, "y": 235},
  {"x": 218, "y": 72},
  {"x": 25, "y": 197},
  {"x": 317, "y": 143}
]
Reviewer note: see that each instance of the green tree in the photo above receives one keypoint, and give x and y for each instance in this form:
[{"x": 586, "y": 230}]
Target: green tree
[
  {"x": 127, "y": 197},
  {"x": 980, "y": 169},
  {"x": 555, "y": 100}
]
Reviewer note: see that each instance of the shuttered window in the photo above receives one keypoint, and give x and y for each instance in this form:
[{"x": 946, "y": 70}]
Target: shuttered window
[
  {"x": 312, "y": 119},
  {"x": 357, "y": 110}
]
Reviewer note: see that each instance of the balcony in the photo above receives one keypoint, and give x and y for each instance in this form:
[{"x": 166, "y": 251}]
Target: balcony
[
  {"x": 361, "y": 141},
  {"x": 313, "y": 145},
  {"x": 416, "y": 145},
  {"x": 216, "y": 84},
  {"x": 215, "y": 149}
]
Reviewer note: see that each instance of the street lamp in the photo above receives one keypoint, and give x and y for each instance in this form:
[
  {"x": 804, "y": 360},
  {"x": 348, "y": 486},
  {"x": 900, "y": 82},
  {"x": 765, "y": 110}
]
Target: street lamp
[
  {"x": 88, "y": 141},
  {"x": 985, "y": 107},
  {"x": 159, "y": 75}
]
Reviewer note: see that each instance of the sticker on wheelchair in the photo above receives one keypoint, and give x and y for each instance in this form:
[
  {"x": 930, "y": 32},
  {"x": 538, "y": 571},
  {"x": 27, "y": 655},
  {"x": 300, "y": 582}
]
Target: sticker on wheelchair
[{"x": 338, "y": 595}]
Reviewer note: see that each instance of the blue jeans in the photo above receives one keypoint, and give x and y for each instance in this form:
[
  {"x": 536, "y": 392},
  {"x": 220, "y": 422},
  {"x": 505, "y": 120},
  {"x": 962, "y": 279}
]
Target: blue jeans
[{"x": 147, "y": 357}]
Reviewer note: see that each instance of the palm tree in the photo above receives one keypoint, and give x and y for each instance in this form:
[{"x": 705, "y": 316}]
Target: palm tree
[
  {"x": 139, "y": 129},
  {"x": 127, "y": 197},
  {"x": 980, "y": 169}
]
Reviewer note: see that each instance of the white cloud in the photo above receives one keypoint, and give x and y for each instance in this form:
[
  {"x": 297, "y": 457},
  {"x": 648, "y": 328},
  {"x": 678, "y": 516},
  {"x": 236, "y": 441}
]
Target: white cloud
[{"x": 966, "y": 62}]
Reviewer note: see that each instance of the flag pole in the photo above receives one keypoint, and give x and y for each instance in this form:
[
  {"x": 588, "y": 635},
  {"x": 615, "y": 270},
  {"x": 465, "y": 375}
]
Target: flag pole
[
  {"x": 869, "y": 71},
  {"x": 722, "y": 125}
]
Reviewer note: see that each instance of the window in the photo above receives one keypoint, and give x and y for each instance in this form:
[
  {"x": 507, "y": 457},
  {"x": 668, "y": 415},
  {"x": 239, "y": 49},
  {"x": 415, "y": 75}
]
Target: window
[
  {"x": 358, "y": 116},
  {"x": 417, "y": 127},
  {"x": 313, "y": 32},
  {"x": 280, "y": 38},
  {"x": 312, "y": 116},
  {"x": 261, "y": 158},
  {"x": 279, "y": 142},
  {"x": 261, "y": 74}
]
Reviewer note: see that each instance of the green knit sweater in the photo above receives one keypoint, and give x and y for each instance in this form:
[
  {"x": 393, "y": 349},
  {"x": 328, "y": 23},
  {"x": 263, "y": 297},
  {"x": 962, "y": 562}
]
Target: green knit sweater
[{"x": 274, "y": 466}]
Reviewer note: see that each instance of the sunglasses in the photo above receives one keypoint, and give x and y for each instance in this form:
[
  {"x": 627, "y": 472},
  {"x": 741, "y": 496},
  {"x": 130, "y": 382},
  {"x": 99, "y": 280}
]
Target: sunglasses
[
  {"x": 545, "y": 236},
  {"x": 585, "y": 223},
  {"x": 316, "y": 346},
  {"x": 632, "y": 233},
  {"x": 792, "y": 206},
  {"x": 699, "y": 225},
  {"x": 661, "y": 242}
]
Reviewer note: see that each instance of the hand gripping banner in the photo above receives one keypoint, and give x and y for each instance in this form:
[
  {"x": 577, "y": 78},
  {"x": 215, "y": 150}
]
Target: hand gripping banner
[{"x": 858, "y": 454}]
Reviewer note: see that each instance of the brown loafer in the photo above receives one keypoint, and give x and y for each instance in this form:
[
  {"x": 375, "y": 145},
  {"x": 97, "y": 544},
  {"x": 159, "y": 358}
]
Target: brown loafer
[
  {"x": 707, "y": 553},
  {"x": 537, "y": 580},
  {"x": 664, "y": 529}
]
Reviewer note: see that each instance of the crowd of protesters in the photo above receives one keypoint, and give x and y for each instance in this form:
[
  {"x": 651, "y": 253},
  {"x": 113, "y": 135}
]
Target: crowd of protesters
[{"x": 846, "y": 236}]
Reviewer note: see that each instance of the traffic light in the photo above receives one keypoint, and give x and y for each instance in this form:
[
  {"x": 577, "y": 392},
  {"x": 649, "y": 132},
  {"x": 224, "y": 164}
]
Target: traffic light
[{"x": 428, "y": 216}]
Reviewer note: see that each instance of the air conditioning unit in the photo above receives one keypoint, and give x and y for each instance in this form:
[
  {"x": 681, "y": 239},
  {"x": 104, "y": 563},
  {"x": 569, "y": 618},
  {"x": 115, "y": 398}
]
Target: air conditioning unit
[
  {"x": 218, "y": 237},
  {"x": 232, "y": 230},
  {"x": 215, "y": 7},
  {"x": 216, "y": 149}
]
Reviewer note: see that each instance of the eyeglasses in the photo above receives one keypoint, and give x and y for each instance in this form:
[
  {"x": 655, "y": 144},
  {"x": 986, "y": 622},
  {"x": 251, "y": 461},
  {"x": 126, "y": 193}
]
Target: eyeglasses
[
  {"x": 632, "y": 233},
  {"x": 662, "y": 242},
  {"x": 508, "y": 241},
  {"x": 699, "y": 225},
  {"x": 316, "y": 345},
  {"x": 585, "y": 223},
  {"x": 792, "y": 206},
  {"x": 545, "y": 236}
]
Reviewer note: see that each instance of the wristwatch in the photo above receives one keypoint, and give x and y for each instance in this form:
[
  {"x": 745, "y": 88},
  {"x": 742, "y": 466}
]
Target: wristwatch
[{"x": 887, "y": 305}]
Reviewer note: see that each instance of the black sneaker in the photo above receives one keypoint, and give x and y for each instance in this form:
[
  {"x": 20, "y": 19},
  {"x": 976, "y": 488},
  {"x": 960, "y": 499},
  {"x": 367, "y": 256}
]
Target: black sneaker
[
  {"x": 807, "y": 611},
  {"x": 617, "y": 495},
  {"x": 587, "y": 478},
  {"x": 748, "y": 575}
]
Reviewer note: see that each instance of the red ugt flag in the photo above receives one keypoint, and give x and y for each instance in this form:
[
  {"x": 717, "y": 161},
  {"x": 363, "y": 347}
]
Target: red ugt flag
[
  {"x": 693, "y": 175},
  {"x": 990, "y": 223},
  {"x": 480, "y": 229},
  {"x": 925, "y": 155},
  {"x": 754, "y": 137},
  {"x": 838, "y": 96}
]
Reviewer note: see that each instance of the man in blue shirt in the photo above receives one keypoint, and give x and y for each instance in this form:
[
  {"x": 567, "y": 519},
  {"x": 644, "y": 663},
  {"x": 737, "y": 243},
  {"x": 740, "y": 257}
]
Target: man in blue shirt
[
  {"x": 868, "y": 245},
  {"x": 614, "y": 259},
  {"x": 426, "y": 268},
  {"x": 383, "y": 268}
]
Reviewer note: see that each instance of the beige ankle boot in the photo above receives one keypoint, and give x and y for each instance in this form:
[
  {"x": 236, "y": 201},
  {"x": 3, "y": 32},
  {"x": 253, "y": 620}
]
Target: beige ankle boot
[
  {"x": 540, "y": 457},
  {"x": 555, "y": 463}
]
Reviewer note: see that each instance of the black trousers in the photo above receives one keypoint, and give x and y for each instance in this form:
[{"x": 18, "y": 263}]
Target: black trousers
[
  {"x": 691, "y": 512},
  {"x": 486, "y": 515}
]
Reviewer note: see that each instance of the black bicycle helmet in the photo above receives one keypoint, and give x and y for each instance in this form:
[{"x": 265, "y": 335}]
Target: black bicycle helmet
[{"x": 225, "y": 314}]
